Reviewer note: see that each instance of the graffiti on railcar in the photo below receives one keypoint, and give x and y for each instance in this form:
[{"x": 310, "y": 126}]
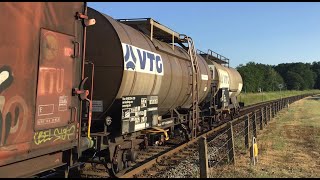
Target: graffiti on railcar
[
  {"x": 55, "y": 83},
  {"x": 42, "y": 136},
  {"x": 56, "y": 134},
  {"x": 12, "y": 110},
  {"x": 5, "y": 78},
  {"x": 64, "y": 133}
]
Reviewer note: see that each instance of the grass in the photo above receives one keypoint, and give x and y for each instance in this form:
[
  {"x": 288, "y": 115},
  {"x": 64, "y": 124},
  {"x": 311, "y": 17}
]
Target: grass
[
  {"x": 253, "y": 98},
  {"x": 289, "y": 146}
]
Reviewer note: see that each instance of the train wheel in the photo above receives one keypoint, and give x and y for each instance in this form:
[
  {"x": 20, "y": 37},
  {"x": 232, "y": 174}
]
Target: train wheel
[
  {"x": 130, "y": 155},
  {"x": 118, "y": 166}
]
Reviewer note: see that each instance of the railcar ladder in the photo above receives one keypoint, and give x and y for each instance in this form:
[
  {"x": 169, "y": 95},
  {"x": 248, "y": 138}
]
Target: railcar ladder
[{"x": 195, "y": 85}]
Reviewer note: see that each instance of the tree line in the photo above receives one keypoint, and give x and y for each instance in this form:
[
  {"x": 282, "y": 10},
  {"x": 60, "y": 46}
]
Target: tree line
[{"x": 287, "y": 76}]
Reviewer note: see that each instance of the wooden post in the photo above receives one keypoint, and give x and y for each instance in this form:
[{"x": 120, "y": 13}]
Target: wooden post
[
  {"x": 230, "y": 143},
  {"x": 261, "y": 119},
  {"x": 280, "y": 105},
  {"x": 246, "y": 135},
  {"x": 254, "y": 124},
  {"x": 270, "y": 112},
  {"x": 203, "y": 157},
  {"x": 266, "y": 116}
]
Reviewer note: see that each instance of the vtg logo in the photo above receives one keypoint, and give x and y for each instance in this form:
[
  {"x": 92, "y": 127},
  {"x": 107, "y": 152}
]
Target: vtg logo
[{"x": 140, "y": 60}]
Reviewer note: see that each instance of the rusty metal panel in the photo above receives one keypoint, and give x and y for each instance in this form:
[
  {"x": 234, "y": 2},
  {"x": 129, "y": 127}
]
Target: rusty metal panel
[
  {"x": 20, "y": 43},
  {"x": 54, "y": 80},
  {"x": 31, "y": 166}
]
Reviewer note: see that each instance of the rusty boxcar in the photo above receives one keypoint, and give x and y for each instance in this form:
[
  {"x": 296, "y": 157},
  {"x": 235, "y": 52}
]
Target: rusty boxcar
[{"x": 41, "y": 59}]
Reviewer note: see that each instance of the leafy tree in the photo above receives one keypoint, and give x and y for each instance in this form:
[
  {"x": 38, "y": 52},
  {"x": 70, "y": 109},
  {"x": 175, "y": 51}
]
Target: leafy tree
[
  {"x": 294, "y": 81},
  {"x": 296, "y": 76},
  {"x": 316, "y": 69},
  {"x": 307, "y": 80},
  {"x": 256, "y": 76}
]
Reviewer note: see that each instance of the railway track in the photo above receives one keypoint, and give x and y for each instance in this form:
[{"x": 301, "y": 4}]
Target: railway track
[{"x": 156, "y": 160}]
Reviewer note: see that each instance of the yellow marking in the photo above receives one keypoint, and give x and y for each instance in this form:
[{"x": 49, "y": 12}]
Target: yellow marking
[{"x": 159, "y": 130}]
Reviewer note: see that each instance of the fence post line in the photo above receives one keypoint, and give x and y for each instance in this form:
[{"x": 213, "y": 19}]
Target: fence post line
[
  {"x": 266, "y": 116},
  {"x": 273, "y": 109},
  {"x": 261, "y": 119},
  {"x": 230, "y": 143},
  {"x": 254, "y": 124},
  {"x": 281, "y": 104},
  {"x": 270, "y": 112},
  {"x": 203, "y": 157},
  {"x": 246, "y": 132}
]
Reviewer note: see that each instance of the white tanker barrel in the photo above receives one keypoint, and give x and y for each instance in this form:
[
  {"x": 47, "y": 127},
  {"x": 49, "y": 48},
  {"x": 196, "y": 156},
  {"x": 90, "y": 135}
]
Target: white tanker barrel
[
  {"x": 127, "y": 63},
  {"x": 235, "y": 81},
  {"x": 226, "y": 77}
]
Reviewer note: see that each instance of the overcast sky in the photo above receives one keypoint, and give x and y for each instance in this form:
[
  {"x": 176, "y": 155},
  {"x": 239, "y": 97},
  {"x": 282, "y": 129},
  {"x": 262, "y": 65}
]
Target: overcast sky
[{"x": 263, "y": 32}]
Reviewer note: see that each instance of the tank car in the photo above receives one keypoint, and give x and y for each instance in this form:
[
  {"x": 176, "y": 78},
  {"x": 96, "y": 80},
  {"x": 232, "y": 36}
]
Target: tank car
[
  {"x": 143, "y": 85},
  {"x": 226, "y": 85},
  {"x": 41, "y": 52},
  {"x": 70, "y": 93}
]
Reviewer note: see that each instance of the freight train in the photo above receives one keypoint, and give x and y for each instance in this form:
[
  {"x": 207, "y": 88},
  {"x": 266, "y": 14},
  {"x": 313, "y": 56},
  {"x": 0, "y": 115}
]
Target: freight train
[{"x": 79, "y": 86}]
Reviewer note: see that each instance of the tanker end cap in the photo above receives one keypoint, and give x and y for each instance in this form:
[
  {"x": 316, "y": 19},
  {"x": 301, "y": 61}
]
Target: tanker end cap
[{"x": 89, "y": 22}]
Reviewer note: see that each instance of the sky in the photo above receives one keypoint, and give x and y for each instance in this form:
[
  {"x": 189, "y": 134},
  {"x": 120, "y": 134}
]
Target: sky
[{"x": 262, "y": 32}]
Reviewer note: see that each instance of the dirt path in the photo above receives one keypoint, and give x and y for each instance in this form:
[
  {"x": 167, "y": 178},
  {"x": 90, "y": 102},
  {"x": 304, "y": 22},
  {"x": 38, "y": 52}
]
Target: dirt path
[{"x": 288, "y": 147}]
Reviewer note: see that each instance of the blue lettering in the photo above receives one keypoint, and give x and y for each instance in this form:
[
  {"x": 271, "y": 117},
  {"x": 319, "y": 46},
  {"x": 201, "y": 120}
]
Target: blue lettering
[
  {"x": 142, "y": 59},
  {"x": 130, "y": 64},
  {"x": 159, "y": 64},
  {"x": 126, "y": 57},
  {"x": 151, "y": 57},
  {"x": 132, "y": 55}
]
